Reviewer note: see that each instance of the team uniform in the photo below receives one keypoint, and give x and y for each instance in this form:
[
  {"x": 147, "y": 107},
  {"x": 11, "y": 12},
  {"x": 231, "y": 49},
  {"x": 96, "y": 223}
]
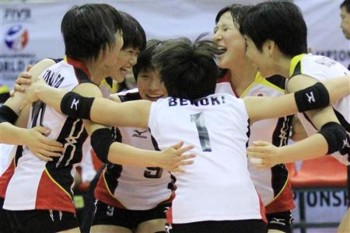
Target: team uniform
[
  {"x": 272, "y": 184},
  {"x": 217, "y": 188},
  {"x": 323, "y": 68},
  {"x": 39, "y": 194},
  {"x": 128, "y": 195}
]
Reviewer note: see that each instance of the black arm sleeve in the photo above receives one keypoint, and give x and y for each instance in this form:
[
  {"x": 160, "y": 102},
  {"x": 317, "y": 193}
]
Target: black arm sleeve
[
  {"x": 7, "y": 115},
  {"x": 76, "y": 106},
  {"x": 336, "y": 137},
  {"x": 101, "y": 140},
  {"x": 313, "y": 97}
]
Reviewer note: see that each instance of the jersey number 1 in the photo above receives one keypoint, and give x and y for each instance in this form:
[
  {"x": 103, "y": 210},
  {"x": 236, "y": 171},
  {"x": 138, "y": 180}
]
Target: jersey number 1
[{"x": 202, "y": 131}]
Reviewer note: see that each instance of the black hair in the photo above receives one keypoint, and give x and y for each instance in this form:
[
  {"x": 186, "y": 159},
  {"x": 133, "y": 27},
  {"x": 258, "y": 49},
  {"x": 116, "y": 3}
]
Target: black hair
[
  {"x": 144, "y": 61},
  {"x": 279, "y": 21},
  {"x": 133, "y": 33},
  {"x": 88, "y": 29},
  {"x": 188, "y": 70},
  {"x": 346, "y": 5},
  {"x": 238, "y": 13}
]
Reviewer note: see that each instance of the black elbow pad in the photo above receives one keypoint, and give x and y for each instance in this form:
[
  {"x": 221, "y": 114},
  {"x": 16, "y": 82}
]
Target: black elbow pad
[
  {"x": 76, "y": 106},
  {"x": 336, "y": 137},
  {"x": 313, "y": 97},
  {"x": 7, "y": 114},
  {"x": 101, "y": 140}
]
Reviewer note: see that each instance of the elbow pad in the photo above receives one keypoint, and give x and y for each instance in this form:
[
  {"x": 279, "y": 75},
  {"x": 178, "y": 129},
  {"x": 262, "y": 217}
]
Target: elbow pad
[
  {"x": 101, "y": 140},
  {"x": 7, "y": 114},
  {"x": 76, "y": 106},
  {"x": 336, "y": 137},
  {"x": 313, "y": 97}
]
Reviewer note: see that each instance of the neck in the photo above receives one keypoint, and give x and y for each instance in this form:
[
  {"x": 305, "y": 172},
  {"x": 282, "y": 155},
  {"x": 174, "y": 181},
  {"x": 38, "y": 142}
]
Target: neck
[
  {"x": 96, "y": 75},
  {"x": 242, "y": 77}
]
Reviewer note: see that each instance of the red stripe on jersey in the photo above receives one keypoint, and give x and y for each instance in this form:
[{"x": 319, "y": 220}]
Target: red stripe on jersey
[
  {"x": 103, "y": 194},
  {"x": 51, "y": 196},
  {"x": 262, "y": 209},
  {"x": 283, "y": 202},
  {"x": 5, "y": 178}
]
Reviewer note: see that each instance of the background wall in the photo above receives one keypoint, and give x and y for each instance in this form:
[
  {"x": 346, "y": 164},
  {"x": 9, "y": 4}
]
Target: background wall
[{"x": 30, "y": 30}]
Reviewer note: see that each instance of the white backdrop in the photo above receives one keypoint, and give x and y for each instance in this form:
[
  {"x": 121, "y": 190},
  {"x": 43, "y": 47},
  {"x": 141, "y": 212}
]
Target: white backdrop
[{"x": 31, "y": 31}]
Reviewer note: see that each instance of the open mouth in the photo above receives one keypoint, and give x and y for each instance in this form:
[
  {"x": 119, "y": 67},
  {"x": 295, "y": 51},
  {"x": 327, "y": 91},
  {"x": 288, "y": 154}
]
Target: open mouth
[
  {"x": 222, "y": 49},
  {"x": 154, "y": 98}
]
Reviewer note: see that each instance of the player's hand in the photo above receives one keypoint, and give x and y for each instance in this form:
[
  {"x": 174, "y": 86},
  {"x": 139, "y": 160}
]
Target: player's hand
[
  {"x": 43, "y": 147},
  {"x": 23, "y": 80},
  {"x": 31, "y": 92},
  {"x": 175, "y": 157},
  {"x": 263, "y": 154}
]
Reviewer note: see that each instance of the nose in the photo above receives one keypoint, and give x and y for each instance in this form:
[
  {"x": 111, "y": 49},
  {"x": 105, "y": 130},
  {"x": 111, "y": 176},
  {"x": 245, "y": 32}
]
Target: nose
[
  {"x": 217, "y": 36},
  {"x": 154, "y": 84},
  {"x": 133, "y": 59}
]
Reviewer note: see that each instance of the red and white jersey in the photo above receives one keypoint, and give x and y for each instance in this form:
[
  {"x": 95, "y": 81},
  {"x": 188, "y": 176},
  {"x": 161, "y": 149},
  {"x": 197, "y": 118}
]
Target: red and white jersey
[
  {"x": 272, "y": 183},
  {"x": 323, "y": 68},
  {"x": 218, "y": 185},
  {"x": 37, "y": 184},
  {"x": 133, "y": 187}
]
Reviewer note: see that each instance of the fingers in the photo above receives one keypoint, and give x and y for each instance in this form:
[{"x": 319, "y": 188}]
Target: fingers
[
  {"x": 261, "y": 143},
  {"x": 43, "y": 157},
  {"x": 24, "y": 78},
  {"x": 28, "y": 67},
  {"x": 18, "y": 88},
  {"x": 187, "y": 159},
  {"x": 255, "y": 154},
  {"x": 43, "y": 130},
  {"x": 178, "y": 145},
  {"x": 184, "y": 149}
]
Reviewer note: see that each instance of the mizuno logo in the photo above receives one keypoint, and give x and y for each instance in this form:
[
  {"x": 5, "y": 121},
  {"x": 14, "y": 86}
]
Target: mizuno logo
[
  {"x": 138, "y": 134},
  {"x": 279, "y": 221}
]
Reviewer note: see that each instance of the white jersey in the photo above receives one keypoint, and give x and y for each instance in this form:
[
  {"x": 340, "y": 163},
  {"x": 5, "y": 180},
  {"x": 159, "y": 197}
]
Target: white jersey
[
  {"x": 218, "y": 185},
  {"x": 272, "y": 183},
  {"x": 131, "y": 187},
  {"x": 37, "y": 184},
  {"x": 323, "y": 68}
]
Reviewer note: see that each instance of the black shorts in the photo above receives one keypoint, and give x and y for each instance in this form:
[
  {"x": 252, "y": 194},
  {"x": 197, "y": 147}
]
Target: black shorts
[
  {"x": 110, "y": 215},
  {"x": 5, "y": 226},
  {"x": 280, "y": 221},
  {"x": 41, "y": 221},
  {"x": 246, "y": 226}
]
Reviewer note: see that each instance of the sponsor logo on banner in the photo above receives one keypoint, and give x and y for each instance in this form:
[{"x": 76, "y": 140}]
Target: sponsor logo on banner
[{"x": 15, "y": 40}]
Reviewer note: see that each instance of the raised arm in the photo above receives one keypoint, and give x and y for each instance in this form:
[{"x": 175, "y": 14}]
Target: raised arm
[
  {"x": 34, "y": 138},
  {"x": 308, "y": 95},
  {"x": 93, "y": 108},
  {"x": 264, "y": 154}
]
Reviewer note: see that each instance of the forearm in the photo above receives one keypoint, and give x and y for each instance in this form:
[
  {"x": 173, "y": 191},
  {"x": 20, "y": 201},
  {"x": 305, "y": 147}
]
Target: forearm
[
  {"x": 51, "y": 96},
  {"x": 13, "y": 135},
  {"x": 309, "y": 148},
  {"x": 128, "y": 155}
]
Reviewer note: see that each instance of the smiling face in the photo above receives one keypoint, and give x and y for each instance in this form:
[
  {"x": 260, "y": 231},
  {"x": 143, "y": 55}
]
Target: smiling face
[
  {"x": 127, "y": 59},
  {"x": 150, "y": 85},
  {"x": 345, "y": 22},
  {"x": 228, "y": 37},
  {"x": 262, "y": 60}
]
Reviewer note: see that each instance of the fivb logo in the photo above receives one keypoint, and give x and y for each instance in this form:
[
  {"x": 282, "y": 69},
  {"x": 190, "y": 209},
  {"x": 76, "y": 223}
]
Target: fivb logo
[{"x": 14, "y": 14}]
